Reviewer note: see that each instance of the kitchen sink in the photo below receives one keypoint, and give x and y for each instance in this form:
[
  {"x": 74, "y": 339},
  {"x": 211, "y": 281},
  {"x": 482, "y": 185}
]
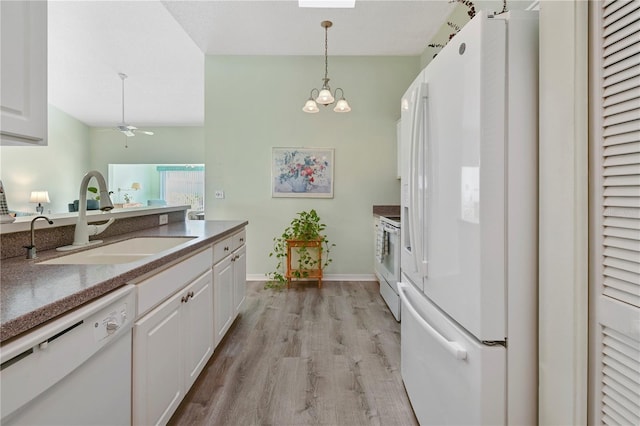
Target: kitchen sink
[{"x": 121, "y": 252}]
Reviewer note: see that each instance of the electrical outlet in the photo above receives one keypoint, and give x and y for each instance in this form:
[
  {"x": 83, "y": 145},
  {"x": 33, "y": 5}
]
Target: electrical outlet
[
  {"x": 164, "y": 219},
  {"x": 219, "y": 194}
]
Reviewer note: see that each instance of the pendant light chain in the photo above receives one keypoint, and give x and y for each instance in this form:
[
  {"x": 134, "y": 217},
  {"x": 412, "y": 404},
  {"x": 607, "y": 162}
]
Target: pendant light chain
[{"x": 326, "y": 55}]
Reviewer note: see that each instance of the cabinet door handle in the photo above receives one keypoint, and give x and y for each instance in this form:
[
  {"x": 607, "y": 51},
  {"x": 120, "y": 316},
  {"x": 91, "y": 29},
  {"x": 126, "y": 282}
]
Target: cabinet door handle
[
  {"x": 191, "y": 294},
  {"x": 226, "y": 248},
  {"x": 184, "y": 299},
  {"x": 242, "y": 240}
]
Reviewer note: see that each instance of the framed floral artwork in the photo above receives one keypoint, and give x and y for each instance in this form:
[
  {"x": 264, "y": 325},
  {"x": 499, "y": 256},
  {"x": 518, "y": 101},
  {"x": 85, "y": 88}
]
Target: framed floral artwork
[{"x": 302, "y": 172}]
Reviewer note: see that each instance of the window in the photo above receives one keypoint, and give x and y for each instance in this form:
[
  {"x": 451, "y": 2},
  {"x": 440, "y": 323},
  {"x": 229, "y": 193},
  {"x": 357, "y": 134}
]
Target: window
[
  {"x": 182, "y": 185},
  {"x": 135, "y": 185}
]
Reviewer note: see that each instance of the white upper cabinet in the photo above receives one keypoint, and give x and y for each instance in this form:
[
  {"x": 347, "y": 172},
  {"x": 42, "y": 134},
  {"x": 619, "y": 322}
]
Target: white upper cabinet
[{"x": 23, "y": 83}]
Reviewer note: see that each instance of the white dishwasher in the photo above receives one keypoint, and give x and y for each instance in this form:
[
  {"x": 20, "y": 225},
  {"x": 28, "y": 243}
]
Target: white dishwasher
[{"x": 74, "y": 370}]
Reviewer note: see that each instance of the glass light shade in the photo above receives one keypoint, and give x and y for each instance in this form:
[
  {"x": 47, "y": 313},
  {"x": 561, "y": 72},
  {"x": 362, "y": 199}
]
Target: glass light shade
[
  {"x": 310, "y": 106},
  {"x": 39, "y": 197},
  {"x": 325, "y": 97},
  {"x": 342, "y": 106}
]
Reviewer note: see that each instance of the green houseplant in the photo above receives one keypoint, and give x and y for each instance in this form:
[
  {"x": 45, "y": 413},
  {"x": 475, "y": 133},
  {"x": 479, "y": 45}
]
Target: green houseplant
[{"x": 306, "y": 226}]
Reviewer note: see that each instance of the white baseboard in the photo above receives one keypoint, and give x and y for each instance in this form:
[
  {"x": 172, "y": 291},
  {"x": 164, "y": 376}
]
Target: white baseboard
[{"x": 328, "y": 277}]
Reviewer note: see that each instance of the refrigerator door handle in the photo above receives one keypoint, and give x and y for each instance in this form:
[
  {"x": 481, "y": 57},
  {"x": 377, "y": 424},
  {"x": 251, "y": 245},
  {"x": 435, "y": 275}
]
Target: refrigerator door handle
[
  {"x": 424, "y": 258},
  {"x": 452, "y": 347},
  {"x": 416, "y": 191}
]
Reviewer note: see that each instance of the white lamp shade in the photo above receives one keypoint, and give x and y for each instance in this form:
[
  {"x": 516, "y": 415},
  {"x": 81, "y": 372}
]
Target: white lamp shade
[
  {"x": 136, "y": 186},
  {"x": 310, "y": 107},
  {"x": 39, "y": 197},
  {"x": 342, "y": 106},
  {"x": 325, "y": 97}
]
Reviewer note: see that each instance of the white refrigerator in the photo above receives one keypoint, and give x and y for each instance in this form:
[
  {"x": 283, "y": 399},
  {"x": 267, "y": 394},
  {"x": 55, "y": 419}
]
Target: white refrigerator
[{"x": 469, "y": 243}]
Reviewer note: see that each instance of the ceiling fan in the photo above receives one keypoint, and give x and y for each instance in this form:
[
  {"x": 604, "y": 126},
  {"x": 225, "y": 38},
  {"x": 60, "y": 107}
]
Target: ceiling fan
[{"x": 127, "y": 129}]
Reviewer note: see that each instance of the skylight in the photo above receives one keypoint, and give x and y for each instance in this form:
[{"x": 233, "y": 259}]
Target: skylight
[{"x": 327, "y": 3}]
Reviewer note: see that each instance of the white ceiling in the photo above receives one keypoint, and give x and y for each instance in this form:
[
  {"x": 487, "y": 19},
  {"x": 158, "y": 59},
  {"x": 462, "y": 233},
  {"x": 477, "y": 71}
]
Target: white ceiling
[{"x": 161, "y": 47}]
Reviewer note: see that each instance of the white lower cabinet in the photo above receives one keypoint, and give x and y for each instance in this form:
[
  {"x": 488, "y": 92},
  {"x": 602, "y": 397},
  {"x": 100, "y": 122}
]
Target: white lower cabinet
[
  {"x": 239, "y": 278},
  {"x": 171, "y": 346},
  {"x": 229, "y": 281},
  {"x": 184, "y": 312},
  {"x": 198, "y": 322},
  {"x": 158, "y": 379},
  {"x": 223, "y": 297}
]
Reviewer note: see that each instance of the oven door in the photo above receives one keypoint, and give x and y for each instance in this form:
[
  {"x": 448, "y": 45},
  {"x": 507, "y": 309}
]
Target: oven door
[
  {"x": 387, "y": 263},
  {"x": 387, "y": 266}
]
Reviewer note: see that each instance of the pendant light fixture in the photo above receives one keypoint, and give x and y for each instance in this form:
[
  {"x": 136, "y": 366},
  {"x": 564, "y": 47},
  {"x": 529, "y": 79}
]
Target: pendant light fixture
[{"x": 324, "y": 95}]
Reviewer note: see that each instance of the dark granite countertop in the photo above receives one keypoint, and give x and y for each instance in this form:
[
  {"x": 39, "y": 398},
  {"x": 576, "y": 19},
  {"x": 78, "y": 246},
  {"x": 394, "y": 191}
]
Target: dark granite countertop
[
  {"x": 387, "y": 211},
  {"x": 32, "y": 294}
]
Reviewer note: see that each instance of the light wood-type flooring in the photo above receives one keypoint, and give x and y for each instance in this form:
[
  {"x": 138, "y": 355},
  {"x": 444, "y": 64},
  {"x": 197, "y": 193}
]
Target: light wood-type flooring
[{"x": 304, "y": 356}]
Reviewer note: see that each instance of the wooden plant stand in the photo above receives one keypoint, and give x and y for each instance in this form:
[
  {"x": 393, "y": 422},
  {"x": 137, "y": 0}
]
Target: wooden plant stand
[{"x": 304, "y": 273}]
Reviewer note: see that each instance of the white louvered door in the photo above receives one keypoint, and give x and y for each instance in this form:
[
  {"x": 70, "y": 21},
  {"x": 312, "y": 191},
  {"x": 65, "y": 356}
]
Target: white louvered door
[{"x": 615, "y": 230}]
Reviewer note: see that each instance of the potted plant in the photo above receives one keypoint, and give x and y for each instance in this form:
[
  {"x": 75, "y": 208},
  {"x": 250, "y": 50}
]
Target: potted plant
[
  {"x": 94, "y": 202},
  {"x": 305, "y": 227}
]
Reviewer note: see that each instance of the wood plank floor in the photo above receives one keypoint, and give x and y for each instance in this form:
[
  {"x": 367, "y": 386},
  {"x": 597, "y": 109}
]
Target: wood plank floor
[{"x": 305, "y": 356}]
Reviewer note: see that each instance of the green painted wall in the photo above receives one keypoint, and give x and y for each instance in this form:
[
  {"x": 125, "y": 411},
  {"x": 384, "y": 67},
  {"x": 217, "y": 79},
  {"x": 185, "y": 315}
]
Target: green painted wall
[
  {"x": 57, "y": 167},
  {"x": 255, "y": 103},
  {"x": 168, "y": 145}
]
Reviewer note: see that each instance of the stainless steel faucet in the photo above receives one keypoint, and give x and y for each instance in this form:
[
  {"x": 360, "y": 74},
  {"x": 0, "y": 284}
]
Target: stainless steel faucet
[{"x": 31, "y": 249}]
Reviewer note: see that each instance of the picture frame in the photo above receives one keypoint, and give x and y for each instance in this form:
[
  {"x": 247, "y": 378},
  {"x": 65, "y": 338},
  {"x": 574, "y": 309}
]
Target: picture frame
[{"x": 302, "y": 172}]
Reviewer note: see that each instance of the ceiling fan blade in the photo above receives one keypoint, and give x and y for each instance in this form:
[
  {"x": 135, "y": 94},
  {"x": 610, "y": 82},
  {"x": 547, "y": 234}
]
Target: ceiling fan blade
[
  {"x": 131, "y": 127},
  {"x": 128, "y": 133},
  {"x": 146, "y": 132}
]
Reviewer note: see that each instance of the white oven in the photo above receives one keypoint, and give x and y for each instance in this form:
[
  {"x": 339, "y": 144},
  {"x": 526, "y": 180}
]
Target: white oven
[{"x": 387, "y": 262}]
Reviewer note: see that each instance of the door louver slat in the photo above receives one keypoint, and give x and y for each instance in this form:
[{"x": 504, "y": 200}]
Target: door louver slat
[
  {"x": 623, "y": 96},
  {"x": 632, "y": 106},
  {"x": 630, "y": 169},
  {"x": 622, "y": 128},
  {"x": 623, "y": 138},
  {"x": 622, "y": 243},
  {"x": 621, "y": 290},
  {"x": 621, "y": 38},
  {"x": 617, "y": 222},
  {"x": 622, "y": 384},
  {"x": 616, "y": 239},
  {"x": 622, "y": 202},
  {"x": 617, "y": 160},
  {"x": 622, "y": 18},
  {"x": 625, "y": 266},
  {"x": 622, "y": 232},
  {"x": 624, "y": 85},
  {"x": 621, "y": 76},
  {"x": 625, "y": 191},
  {"x": 629, "y": 51},
  {"x": 623, "y": 180},
  {"x": 624, "y": 65},
  {"x": 619, "y": 149},
  {"x": 617, "y": 47},
  {"x": 611, "y": 6},
  {"x": 620, "y": 378}
]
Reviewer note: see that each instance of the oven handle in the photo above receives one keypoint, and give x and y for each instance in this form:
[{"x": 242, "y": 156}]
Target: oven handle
[
  {"x": 390, "y": 229},
  {"x": 453, "y": 347}
]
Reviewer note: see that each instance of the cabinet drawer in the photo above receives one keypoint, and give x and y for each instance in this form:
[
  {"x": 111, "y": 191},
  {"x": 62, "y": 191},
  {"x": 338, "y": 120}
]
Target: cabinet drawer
[
  {"x": 239, "y": 239},
  {"x": 222, "y": 249},
  {"x": 157, "y": 288}
]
